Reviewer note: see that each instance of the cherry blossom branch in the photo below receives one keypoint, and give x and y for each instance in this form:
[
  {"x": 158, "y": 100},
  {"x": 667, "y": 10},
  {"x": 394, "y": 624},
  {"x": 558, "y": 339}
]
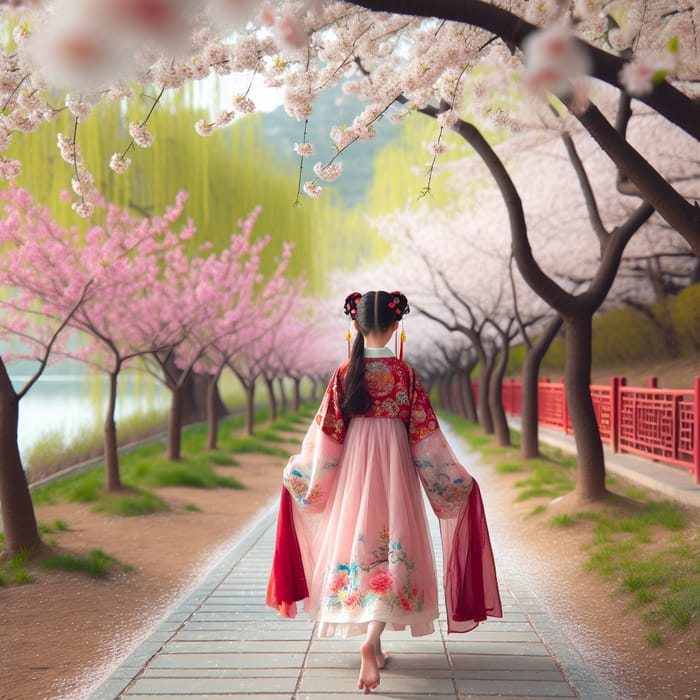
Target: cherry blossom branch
[
  {"x": 664, "y": 98},
  {"x": 45, "y": 358},
  {"x": 14, "y": 92}
]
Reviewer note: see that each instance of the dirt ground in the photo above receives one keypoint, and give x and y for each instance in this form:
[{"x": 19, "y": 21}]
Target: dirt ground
[{"x": 63, "y": 633}]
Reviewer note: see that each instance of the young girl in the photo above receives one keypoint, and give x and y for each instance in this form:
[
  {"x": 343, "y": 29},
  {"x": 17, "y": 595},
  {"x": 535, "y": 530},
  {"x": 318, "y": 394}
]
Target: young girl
[{"x": 352, "y": 536}]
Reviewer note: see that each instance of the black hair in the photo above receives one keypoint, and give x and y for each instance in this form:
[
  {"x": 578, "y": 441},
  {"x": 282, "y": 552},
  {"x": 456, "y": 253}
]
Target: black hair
[{"x": 373, "y": 311}]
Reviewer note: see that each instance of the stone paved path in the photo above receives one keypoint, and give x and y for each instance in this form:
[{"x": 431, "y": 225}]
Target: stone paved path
[{"x": 221, "y": 642}]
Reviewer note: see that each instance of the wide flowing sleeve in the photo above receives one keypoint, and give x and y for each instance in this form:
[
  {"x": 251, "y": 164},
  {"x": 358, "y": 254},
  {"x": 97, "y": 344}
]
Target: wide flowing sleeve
[
  {"x": 471, "y": 586},
  {"x": 310, "y": 475},
  {"x": 309, "y": 480}
]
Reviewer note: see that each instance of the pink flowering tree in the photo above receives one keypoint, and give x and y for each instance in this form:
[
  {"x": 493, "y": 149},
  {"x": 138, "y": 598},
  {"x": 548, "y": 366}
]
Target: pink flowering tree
[
  {"x": 275, "y": 299},
  {"x": 110, "y": 319},
  {"x": 32, "y": 334},
  {"x": 230, "y": 285}
]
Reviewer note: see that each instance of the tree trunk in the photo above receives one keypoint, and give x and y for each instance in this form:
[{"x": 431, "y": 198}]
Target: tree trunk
[
  {"x": 271, "y": 398},
  {"x": 467, "y": 392},
  {"x": 175, "y": 426},
  {"x": 296, "y": 397},
  {"x": 250, "y": 408},
  {"x": 195, "y": 393},
  {"x": 590, "y": 481},
  {"x": 498, "y": 413},
  {"x": 314, "y": 390},
  {"x": 283, "y": 394},
  {"x": 212, "y": 412},
  {"x": 485, "y": 419},
  {"x": 18, "y": 518},
  {"x": 529, "y": 411},
  {"x": 113, "y": 480}
]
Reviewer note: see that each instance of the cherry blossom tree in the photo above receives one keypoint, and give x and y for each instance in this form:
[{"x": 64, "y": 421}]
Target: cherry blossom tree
[
  {"x": 403, "y": 49},
  {"x": 117, "y": 260},
  {"x": 26, "y": 326},
  {"x": 233, "y": 282}
]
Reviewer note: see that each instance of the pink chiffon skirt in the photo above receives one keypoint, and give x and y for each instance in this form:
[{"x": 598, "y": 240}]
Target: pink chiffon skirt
[{"x": 372, "y": 554}]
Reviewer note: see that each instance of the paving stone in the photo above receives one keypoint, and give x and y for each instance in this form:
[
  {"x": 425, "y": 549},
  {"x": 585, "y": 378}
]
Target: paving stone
[
  {"x": 221, "y": 641},
  {"x": 201, "y": 687},
  {"x": 167, "y": 660},
  {"x": 389, "y": 684},
  {"x": 523, "y": 688},
  {"x": 502, "y": 662},
  {"x": 268, "y": 646}
]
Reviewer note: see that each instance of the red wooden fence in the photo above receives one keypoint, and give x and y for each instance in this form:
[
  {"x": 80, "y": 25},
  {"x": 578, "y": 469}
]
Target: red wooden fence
[{"x": 660, "y": 424}]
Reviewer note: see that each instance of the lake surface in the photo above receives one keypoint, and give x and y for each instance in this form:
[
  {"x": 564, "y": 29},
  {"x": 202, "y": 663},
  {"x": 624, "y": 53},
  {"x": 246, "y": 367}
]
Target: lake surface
[{"x": 72, "y": 402}]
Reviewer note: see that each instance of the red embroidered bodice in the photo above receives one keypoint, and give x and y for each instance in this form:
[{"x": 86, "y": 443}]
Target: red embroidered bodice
[{"x": 396, "y": 393}]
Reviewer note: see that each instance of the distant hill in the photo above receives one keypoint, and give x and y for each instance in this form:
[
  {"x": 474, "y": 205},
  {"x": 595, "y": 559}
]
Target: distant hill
[{"x": 331, "y": 108}]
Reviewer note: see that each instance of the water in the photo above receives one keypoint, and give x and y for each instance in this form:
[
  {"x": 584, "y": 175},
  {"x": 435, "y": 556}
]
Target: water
[{"x": 75, "y": 401}]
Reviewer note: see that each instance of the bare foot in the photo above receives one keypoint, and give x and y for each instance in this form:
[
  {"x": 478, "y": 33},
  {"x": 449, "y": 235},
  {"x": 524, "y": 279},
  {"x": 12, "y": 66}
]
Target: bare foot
[
  {"x": 382, "y": 657},
  {"x": 369, "y": 668}
]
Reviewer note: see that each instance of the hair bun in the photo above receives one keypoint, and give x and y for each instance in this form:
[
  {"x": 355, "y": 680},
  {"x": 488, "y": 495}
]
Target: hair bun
[
  {"x": 399, "y": 303},
  {"x": 351, "y": 302}
]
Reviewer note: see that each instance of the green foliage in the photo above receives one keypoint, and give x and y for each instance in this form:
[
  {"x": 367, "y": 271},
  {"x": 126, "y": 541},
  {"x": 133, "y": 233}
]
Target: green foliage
[
  {"x": 686, "y": 317},
  {"x": 77, "y": 488},
  {"x": 96, "y": 564},
  {"x": 246, "y": 443},
  {"x": 546, "y": 479},
  {"x": 626, "y": 336},
  {"x": 192, "y": 508},
  {"x": 56, "y": 526},
  {"x": 129, "y": 504},
  {"x": 14, "y": 571},
  {"x": 507, "y": 467},
  {"x": 157, "y": 471},
  {"x": 647, "y": 549},
  {"x": 227, "y": 175},
  {"x": 52, "y": 452}
]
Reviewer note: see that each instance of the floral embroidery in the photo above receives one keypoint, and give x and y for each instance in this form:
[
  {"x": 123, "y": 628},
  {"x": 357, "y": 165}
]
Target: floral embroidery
[
  {"x": 299, "y": 488},
  {"x": 446, "y": 493},
  {"x": 373, "y": 581},
  {"x": 397, "y": 393}
]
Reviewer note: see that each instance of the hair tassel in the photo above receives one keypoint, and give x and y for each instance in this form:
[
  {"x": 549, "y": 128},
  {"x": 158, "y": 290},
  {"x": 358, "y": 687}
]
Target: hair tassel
[
  {"x": 348, "y": 338},
  {"x": 403, "y": 340}
]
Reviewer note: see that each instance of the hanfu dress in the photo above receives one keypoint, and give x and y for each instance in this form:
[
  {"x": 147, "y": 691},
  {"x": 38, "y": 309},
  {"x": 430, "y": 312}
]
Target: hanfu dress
[{"x": 352, "y": 538}]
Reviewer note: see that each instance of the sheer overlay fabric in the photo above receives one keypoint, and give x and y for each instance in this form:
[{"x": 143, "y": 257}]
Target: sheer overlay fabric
[{"x": 352, "y": 538}]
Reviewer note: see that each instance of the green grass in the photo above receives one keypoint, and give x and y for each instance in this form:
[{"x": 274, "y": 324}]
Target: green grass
[
  {"x": 56, "y": 526},
  {"x": 192, "y": 508},
  {"x": 130, "y": 504},
  {"x": 647, "y": 550},
  {"x": 507, "y": 467},
  {"x": 96, "y": 564},
  {"x": 156, "y": 471},
  {"x": 145, "y": 468},
  {"x": 15, "y": 571}
]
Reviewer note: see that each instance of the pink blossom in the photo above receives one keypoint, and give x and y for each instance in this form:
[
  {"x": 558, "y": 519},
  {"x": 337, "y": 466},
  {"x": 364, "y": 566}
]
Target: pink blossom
[
  {"x": 553, "y": 59},
  {"x": 437, "y": 148},
  {"x": 119, "y": 163},
  {"x": 330, "y": 172},
  {"x": 304, "y": 149},
  {"x": 83, "y": 209},
  {"x": 289, "y": 32},
  {"x": 311, "y": 190},
  {"x": 342, "y": 135},
  {"x": 204, "y": 128},
  {"x": 140, "y": 135},
  {"x": 9, "y": 168},
  {"x": 637, "y": 77},
  {"x": 244, "y": 104}
]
